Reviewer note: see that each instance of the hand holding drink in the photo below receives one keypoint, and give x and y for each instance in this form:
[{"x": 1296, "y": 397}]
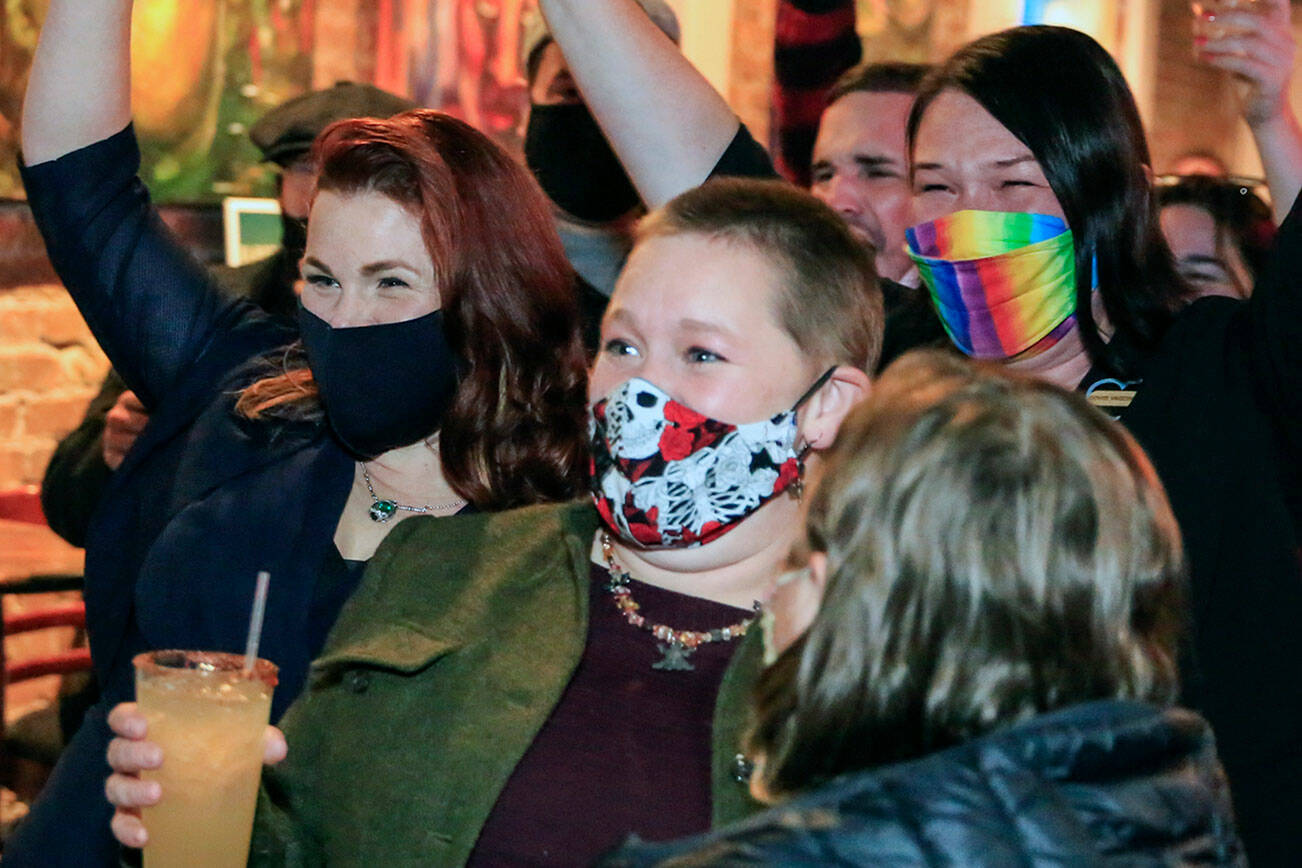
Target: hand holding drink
[
  {"x": 195, "y": 782},
  {"x": 1253, "y": 41},
  {"x": 133, "y": 753},
  {"x": 1211, "y": 21},
  {"x": 207, "y": 715}
]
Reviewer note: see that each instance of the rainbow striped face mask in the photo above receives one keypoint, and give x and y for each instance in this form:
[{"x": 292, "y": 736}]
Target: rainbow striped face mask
[{"x": 1002, "y": 282}]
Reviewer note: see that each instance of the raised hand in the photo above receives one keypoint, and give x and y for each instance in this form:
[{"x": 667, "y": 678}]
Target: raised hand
[{"x": 1254, "y": 43}]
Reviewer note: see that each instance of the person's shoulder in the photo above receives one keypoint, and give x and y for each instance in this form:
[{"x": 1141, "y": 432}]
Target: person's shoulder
[
  {"x": 1198, "y": 338},
  {"x": 425, "y": 534},
  {"x": 425, "y": 558},
  {"x": 1206, "y": 311},
  {"x": 852, "y": 820},
  {"x": 448, "y": 577}
]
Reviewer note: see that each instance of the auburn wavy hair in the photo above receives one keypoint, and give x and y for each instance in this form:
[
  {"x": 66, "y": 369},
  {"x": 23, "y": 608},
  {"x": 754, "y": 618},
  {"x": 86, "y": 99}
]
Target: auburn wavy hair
[{"x": 516, "y": 432}]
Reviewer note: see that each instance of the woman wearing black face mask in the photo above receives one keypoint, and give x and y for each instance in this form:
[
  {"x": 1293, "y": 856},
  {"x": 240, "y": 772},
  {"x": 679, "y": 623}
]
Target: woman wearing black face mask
[{"x": 439, "y": 371}]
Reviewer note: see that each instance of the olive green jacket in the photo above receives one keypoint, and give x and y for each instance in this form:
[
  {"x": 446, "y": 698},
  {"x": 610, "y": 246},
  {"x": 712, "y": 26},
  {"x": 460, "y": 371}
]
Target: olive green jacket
[{"x": 435, "y": 680}]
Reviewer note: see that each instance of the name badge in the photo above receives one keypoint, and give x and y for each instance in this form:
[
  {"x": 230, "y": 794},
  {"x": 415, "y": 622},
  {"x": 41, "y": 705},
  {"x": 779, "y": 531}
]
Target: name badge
[{"x": 1111, "y": 395}]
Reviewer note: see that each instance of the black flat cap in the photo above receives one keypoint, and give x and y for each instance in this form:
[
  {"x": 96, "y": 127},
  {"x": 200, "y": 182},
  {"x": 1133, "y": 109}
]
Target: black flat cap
[{"x": 286, "y": 133}]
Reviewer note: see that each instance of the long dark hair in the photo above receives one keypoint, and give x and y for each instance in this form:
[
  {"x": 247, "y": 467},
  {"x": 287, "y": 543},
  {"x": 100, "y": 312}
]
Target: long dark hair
[
  {"x": 996, "y": 549},
  {"x": 516, "y": 432},
  {"x": 1063, "y": 96}
]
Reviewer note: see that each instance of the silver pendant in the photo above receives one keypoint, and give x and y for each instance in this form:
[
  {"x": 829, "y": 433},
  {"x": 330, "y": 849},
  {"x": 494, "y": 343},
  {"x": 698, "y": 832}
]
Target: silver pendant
[{"x": 674, "y": 657}]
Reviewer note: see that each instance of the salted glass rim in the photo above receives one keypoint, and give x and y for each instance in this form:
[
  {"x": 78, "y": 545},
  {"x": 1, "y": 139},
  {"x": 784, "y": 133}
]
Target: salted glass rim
[{"x": 174, "y": 661}]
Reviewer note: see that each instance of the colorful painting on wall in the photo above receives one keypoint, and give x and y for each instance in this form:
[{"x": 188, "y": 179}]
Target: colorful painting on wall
[{"x": 205, "y": 70}]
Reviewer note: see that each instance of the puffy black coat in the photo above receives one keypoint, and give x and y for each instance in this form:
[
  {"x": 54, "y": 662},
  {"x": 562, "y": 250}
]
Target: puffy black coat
[{"x": 1105, "y": 783}]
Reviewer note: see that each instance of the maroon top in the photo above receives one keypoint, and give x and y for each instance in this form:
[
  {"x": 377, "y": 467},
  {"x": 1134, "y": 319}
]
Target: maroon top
[{"x": 627, "y": 749}]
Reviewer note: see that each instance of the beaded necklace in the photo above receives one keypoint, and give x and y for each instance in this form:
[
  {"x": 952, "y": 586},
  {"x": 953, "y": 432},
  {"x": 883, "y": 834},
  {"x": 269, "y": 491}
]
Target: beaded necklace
[{"x": 675, "y": 646}]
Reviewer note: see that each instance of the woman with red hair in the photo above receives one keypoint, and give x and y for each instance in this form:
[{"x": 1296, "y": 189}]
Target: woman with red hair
[{"x": 437, "y": 368}]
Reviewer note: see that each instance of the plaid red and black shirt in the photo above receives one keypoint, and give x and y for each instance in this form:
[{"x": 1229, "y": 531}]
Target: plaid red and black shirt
[{"x": 814, "y": 45}]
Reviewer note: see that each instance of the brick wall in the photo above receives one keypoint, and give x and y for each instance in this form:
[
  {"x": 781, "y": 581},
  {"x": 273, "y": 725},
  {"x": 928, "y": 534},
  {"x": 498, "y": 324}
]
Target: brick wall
[{"x": 50, "y": 367}]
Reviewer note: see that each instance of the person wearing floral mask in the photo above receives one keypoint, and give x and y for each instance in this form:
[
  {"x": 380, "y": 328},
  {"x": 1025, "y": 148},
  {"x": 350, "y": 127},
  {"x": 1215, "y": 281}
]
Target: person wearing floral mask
[
  {"x": 436, "y": 368},
  {"x": 580, "y": 674},
  {"x": 975, "y": 653},
  {"x": 1039, "y": 240}
]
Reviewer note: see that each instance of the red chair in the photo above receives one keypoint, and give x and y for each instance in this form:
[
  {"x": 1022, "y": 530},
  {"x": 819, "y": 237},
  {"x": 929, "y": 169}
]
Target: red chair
[
  {"x": 22, "y": 504},
  {"x": 37, "y": 738}
]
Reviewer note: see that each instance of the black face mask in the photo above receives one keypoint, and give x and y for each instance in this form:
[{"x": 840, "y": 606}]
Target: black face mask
[
  {"x": 382, "y": 386},
  {"x": 573, "y": 162}
]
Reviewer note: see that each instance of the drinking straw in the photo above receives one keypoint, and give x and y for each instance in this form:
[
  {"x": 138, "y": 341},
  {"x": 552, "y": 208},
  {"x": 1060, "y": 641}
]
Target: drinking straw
[{"x": 255, "y": 621}]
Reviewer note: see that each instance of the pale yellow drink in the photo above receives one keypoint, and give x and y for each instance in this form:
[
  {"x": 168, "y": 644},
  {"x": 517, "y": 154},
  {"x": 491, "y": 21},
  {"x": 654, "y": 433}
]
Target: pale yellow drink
[{"x": 208, "y": 717}]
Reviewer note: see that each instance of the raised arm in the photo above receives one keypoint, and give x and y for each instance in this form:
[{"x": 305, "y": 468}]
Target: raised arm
[
  {"x": 1259, "y": 53},
  {"x": 151, "y": 306},
  {"x": 79, "y": 92},
  {"x": 668, "y": 125},
  {"x": 1258, "y": 49}
]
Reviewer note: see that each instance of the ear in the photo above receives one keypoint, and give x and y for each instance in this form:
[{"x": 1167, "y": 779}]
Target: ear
[
  {"x": 1150, "y": 175},
  {"x": 818, "y": 571},
  {"x": 829, "y": 406}
]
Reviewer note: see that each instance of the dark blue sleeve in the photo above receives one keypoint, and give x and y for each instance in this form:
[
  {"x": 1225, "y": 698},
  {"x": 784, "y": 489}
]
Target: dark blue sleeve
[
  {"x": 69, "y": 821},
  {"x": 151, "y": 306}
]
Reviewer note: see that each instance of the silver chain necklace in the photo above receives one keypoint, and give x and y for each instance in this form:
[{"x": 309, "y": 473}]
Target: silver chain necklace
[{"x": 383, "y": 509}]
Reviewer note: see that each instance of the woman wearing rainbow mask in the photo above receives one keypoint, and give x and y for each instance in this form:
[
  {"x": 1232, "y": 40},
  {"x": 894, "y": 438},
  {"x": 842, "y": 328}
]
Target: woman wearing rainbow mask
[{"x": 1030, "y": 171}]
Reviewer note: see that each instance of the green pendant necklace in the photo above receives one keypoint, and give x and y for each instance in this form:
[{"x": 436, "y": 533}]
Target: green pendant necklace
[{"x": 383, "y": 509}]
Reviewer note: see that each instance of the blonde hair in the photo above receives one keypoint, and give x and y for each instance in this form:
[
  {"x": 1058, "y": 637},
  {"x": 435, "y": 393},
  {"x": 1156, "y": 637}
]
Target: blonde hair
[
  {"x": 830, "y": 302},
  {"x": 996, "y": 549}
]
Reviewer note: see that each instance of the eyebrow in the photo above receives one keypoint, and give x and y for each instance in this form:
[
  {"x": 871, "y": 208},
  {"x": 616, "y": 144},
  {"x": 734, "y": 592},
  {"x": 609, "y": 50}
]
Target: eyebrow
[
  {"x": 621, "y": 315},
  {"x": 367, "y": 270},
  {"x": 387, "y": 265},
  {"x": 998, "y": 164},
  {"x": 1013, "y": 161},
  {"x": 866, "y": 160},
  {"x": 700, "y": 325}
]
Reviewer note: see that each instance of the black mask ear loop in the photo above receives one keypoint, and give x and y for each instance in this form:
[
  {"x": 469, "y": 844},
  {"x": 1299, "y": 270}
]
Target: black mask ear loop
[{"x": 798, "y": 487}]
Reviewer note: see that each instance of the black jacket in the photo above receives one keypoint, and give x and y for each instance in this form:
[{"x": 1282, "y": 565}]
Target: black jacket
[
  {"x": 1218, "y": 409},
  {"x": 203, "y": 501},
  {"x": 1105, "y": 783}
]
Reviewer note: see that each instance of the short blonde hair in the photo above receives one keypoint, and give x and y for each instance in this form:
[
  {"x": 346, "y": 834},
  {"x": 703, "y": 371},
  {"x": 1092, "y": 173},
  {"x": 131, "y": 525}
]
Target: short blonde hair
[
  {"x": 996, "y": 549},
  {"x": 830, "y": 302}
]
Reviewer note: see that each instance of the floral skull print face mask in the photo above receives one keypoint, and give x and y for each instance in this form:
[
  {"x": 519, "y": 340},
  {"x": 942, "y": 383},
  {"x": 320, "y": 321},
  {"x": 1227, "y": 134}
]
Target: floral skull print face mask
[{"x": 665, "y": 476}]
